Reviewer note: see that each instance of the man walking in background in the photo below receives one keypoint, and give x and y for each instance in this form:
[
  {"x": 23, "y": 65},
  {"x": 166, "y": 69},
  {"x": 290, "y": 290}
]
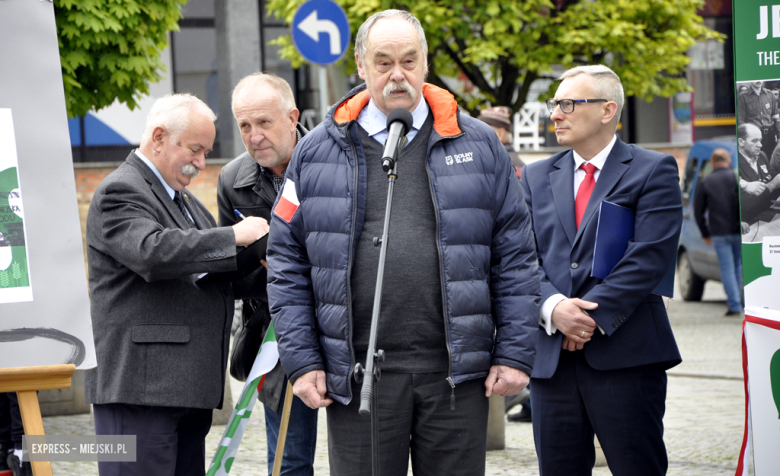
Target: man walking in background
[
  {"x": 264, "y": 108},
  {"x": 718, "y": 198}
]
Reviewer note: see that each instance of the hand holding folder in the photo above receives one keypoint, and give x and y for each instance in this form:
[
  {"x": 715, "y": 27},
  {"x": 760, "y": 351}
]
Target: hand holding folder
[
  {"x": 247, "y": 260},
  {"x": 614, "y": 231}
]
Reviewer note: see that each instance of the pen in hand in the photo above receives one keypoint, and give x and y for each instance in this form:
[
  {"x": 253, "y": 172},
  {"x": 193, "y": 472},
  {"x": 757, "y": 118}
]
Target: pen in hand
[{"x": 241, "y": 216}]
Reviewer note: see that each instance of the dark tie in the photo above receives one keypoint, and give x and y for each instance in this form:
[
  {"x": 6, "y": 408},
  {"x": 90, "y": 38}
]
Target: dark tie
[
  {"x": 584, "y": 192},
  {"x": 180, "y": 203}
]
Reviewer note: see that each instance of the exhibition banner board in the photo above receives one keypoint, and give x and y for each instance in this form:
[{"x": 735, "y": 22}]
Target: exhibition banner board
[
  {"x": 757, "y": 74},
  {"x": 761, "y": 364},
  {"x": 44, "y": 300}
]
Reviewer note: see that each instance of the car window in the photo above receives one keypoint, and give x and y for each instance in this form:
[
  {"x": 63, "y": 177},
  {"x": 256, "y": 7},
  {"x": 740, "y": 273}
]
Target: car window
[{"x": 689, "y": 175}]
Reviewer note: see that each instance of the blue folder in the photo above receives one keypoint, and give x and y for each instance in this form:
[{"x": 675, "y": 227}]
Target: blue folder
[{"x": 614, "y": 231}]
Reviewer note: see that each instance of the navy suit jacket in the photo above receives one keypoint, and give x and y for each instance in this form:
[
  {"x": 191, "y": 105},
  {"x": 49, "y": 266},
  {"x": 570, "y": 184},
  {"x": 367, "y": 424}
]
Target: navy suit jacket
[{"x": 635, "y": 320}]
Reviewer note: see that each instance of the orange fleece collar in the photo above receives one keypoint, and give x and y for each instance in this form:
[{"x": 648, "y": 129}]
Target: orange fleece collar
[{"x": 442, "y": 104}]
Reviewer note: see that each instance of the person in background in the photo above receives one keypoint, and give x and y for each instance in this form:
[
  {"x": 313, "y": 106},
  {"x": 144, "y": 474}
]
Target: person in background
[
  {"x": 264, "y": 108},
  {"x": 499, "y": 119},
  {"x": 716, "y": 208}
]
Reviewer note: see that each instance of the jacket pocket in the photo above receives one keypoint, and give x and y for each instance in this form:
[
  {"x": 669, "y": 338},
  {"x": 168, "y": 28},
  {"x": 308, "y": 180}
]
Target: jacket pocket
[{"x": 161, "y": 333}]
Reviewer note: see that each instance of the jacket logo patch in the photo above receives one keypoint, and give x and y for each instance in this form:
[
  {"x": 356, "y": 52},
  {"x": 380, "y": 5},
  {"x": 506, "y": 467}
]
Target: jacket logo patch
[{"x": 459, "y": 158}]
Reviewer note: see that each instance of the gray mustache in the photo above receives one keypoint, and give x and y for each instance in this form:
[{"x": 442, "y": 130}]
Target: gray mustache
[{"x": 189, "y": 169}]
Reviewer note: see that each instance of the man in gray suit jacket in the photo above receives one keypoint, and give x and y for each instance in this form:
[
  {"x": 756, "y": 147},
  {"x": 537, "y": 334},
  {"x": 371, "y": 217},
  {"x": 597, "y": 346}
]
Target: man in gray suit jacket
[{"x": 161, "y": 336}]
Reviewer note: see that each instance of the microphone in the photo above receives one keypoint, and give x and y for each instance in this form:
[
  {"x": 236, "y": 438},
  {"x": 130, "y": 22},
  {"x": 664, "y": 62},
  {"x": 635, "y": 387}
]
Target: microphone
[{"x": 399, "y": 123}]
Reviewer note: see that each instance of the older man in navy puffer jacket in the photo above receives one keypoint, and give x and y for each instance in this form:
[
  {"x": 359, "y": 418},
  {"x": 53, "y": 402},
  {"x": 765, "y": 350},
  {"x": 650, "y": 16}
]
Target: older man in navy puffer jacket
[{"x": 460, "y": 301}]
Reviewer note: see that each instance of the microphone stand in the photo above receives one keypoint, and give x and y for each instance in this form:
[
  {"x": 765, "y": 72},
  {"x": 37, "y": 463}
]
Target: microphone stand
[{"x": 370, "y": 375}]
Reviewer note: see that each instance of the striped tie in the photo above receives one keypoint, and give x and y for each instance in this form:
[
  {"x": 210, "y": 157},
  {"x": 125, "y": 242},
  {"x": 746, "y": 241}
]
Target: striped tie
[{"x": 180, "y": 203}]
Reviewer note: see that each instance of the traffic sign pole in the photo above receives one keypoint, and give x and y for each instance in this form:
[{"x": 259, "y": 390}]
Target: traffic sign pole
[{"x": 323, "y": 73}]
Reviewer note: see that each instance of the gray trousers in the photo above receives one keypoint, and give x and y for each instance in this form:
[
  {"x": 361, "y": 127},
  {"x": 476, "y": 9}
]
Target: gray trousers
[{"x": 415, "y": 417}]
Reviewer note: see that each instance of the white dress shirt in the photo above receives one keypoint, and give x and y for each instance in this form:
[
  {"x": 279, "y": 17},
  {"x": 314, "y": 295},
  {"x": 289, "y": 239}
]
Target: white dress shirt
[
  {"x": 545, "y": 312},
  {"x": 168, "y": 188},
  {"x": 374, "y": 121}
]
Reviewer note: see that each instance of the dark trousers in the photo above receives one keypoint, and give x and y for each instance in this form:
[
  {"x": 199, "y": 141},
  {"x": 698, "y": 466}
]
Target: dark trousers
[
  {"x": 625, "y": 407},
  {"x": 414, "y": 417},
  {"x": 11, "y": 428},
  {"x": 170, "y": 441}
]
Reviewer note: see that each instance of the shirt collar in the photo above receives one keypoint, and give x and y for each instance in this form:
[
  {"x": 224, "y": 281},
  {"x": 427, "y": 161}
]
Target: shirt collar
[
  {"x": 149, "y": 163},
  {"x": 599, "y": 159},
  {"x": 374, "y": 121}
]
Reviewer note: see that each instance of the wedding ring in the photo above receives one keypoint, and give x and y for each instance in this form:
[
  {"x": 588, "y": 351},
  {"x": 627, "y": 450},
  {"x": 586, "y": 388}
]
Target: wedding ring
[{"x": 582, "y": 334}]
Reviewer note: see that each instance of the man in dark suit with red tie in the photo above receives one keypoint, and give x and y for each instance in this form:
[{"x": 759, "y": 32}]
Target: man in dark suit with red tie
[{"x": 605, "y": 345}]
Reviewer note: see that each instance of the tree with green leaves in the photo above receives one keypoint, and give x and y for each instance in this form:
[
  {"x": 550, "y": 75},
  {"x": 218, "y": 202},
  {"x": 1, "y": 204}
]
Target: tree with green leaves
[
  {"x": 110, "y": 49},
  {"x": 502, "y": 46}
]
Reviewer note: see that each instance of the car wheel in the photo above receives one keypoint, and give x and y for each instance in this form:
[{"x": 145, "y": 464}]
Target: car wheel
[{"x": 691, "y": 285}]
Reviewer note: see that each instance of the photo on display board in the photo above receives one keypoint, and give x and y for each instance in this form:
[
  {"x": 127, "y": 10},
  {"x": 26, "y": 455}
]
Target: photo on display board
[{"x": 758, "y": 129}]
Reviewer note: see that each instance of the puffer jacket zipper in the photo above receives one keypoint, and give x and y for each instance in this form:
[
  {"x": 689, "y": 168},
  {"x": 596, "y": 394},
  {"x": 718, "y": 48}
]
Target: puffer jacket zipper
[
  {"x": 445, "y": 311},
  {"x": 349, "y": 267}
]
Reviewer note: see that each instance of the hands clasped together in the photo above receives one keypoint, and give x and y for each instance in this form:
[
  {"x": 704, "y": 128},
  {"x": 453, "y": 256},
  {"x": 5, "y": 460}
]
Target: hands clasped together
[{"x": 571, "y": 318}]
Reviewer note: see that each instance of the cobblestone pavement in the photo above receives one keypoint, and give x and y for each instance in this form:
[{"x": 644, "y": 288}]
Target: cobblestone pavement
[{"x": 704, "y": 419}]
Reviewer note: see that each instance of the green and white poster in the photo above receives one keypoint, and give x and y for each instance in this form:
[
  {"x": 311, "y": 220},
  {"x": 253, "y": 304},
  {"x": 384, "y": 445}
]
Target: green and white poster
[
  {"x": 757, "y": 73},
  {"x": 15, "y": 283},
  {"x": 44, "y": 299}
]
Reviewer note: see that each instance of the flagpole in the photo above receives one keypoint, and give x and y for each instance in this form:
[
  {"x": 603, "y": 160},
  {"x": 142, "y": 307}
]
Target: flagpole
[
  {"x": 266, "y": 360},
  {"x": 279, "y": 455}
]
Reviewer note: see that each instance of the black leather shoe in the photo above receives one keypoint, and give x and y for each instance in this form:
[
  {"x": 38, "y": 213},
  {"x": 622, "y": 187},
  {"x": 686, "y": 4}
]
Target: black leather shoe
[
  {"x": 19, "y": 468},
  {"x": 523, "y": 415},
  {"x": 732, "y": 313},
  {"x": 4, "y": 458}
]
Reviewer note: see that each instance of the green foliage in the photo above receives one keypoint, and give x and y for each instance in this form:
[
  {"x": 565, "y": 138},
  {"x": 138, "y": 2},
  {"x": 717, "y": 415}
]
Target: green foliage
[
  {"x": 110, "y": 49},
  {"x": 501, "y": 47}
]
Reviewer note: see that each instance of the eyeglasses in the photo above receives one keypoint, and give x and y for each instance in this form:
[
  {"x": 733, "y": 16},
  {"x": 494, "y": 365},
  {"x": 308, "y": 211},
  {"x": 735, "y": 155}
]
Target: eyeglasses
[{"x": 567, "y": 105}]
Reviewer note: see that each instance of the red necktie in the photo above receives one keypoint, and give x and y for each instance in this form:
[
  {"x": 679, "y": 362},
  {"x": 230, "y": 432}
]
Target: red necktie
[{"x": 583, "y": 193}]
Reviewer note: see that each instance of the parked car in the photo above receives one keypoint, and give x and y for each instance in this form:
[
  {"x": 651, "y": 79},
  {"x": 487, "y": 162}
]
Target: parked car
[{"x": 697, "y": 262}]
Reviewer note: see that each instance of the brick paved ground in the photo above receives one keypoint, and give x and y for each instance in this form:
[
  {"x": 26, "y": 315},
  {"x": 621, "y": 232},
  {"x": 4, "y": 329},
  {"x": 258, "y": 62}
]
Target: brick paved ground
[{"x": 704, "y": 419}]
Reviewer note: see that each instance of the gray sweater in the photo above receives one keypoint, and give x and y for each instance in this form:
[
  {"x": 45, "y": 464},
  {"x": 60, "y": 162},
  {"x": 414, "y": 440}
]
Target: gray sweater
[{"x": 411, "y": 320}]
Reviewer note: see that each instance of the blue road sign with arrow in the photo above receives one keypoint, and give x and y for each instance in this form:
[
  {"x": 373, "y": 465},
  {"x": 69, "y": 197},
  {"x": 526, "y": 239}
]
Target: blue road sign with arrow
[{"x": 320, "y": 31}]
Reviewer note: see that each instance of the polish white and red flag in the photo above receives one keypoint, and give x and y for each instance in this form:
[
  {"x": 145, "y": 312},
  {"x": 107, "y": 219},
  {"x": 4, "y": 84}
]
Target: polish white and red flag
[{"x": 288, "y": 203}]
